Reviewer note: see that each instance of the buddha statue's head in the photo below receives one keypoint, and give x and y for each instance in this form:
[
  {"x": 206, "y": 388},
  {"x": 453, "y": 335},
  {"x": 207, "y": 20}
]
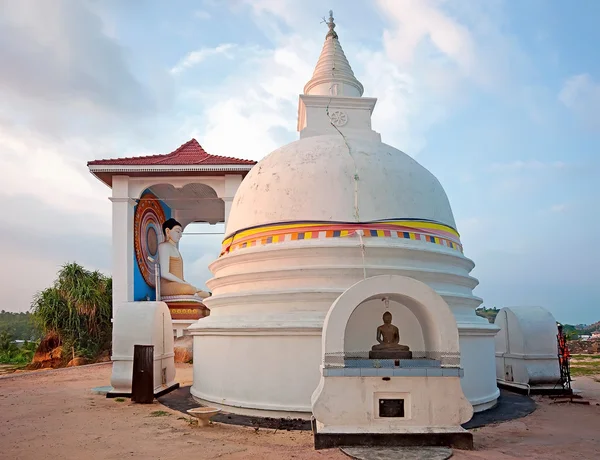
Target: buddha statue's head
[
  {"x": 387, "y": 317},
  {"x": 172, "y": 230}
]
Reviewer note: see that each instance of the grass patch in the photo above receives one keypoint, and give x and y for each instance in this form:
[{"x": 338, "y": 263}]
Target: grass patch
[
  {"x": 120, "y": 399},
  {"x": 189, "y": 420},
  {"x": 159, "y": 413},
  {"x": 585, "y": 370},
  {"x": 585, "y": 365}
]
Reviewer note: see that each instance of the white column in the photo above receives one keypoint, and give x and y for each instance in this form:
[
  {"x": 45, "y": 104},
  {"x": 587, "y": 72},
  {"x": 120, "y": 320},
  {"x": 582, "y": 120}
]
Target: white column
[
  {"x": 228, "y": 201},
  {"x": 122, "y": 242},
  {"x": 232, "y": 183}
]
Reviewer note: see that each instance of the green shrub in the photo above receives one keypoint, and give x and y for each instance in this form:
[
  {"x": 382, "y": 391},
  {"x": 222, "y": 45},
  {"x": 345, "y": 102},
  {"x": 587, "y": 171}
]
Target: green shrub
[{"x": 77, "y": 308}]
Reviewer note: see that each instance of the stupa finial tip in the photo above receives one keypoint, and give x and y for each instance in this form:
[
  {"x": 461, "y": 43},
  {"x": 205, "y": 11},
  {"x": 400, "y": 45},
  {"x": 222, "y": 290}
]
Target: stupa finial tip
[{"x": 331, "y": 26}]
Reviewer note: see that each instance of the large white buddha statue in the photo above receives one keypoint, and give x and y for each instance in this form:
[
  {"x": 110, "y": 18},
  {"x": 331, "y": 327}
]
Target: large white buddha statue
[{"x": 172, "y": 282}]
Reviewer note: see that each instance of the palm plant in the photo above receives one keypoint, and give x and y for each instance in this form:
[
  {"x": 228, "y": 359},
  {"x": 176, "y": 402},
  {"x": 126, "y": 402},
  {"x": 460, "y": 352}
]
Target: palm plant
[{"x": 77, "y": 308}]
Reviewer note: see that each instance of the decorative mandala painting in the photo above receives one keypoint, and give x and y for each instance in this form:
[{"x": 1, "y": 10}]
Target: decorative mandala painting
[{"x": 147, "y": 228}]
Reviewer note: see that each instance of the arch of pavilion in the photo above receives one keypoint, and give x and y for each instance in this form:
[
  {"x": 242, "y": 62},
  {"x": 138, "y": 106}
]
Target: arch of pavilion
[{"x": 189, "y": 185}]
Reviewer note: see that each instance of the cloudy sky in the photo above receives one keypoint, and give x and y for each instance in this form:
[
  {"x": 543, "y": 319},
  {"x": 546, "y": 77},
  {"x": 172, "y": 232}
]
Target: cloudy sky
[{"x": 499, "y": 99}]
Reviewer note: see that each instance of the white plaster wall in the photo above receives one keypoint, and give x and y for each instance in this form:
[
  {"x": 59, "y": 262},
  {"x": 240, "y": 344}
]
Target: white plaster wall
[
  {"x": 478, "y": 381},
  {"x": 348, "y": 404},
  {"x": 363, "y": 323},
  {"x": 267, "y": 370},
  {"x": 527, "y": 342},
  {"x": 142, "y": 323},
  {"x": 290, "y": 287},
  {"x": 313, "y": 179},
  {"x": 122, "y": 242},
  {"x": 139, "y": 184}
]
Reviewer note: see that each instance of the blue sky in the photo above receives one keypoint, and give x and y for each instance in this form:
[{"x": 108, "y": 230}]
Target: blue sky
[{"x": 499, "y": 99}]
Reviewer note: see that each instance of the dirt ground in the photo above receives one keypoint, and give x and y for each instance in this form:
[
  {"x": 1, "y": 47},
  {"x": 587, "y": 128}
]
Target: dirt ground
[{"x": 53, "y": 414}]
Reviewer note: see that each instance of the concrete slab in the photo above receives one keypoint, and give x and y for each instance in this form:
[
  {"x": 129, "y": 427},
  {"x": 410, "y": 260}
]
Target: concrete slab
[
  {"x": 397, "y": 453},
  {"x": 102, "y": 390}
]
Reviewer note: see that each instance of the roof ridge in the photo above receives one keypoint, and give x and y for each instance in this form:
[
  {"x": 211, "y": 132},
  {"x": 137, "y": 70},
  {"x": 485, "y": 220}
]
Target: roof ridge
[{"x": 188, "y": 153}]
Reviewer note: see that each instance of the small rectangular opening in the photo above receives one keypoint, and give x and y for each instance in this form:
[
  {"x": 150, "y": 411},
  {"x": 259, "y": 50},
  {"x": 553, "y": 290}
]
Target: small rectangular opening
[{"x": 391, "y": 407}]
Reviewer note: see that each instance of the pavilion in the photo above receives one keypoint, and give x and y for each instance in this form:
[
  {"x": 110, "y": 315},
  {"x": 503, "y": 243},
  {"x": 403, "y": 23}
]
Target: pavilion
[{"x": 187, "y": 184}]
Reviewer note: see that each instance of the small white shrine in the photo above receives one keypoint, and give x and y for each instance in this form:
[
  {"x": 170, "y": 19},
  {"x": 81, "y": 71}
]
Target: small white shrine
[
  {"x": 418, "y": 396},
  {"x": 527, "y": 349},
  {"x": 310, "y": 220},
  {"x": 142, "y": 323}
]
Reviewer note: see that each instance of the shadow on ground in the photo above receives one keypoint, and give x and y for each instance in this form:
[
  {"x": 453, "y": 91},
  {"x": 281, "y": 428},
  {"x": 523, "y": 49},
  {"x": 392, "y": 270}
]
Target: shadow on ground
[{"x": 510, "y": 406}]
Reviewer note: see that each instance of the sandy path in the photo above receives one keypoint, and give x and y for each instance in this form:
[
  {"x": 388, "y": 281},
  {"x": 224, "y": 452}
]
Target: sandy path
[
  {"x": 553, "y": 431},
  {"x": 53, "y": 414}
]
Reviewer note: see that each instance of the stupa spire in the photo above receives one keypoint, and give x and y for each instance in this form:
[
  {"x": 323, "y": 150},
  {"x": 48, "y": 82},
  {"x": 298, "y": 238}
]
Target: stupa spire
[
  {"x": 333, "y": 75},
  {"x": 331, "y": 26}
]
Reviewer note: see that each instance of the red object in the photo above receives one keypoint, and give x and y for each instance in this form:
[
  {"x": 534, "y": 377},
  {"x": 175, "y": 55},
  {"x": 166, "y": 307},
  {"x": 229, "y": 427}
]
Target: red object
[
  {"x": 190, "y": 153},
  {"x": 563, "y": 348}
]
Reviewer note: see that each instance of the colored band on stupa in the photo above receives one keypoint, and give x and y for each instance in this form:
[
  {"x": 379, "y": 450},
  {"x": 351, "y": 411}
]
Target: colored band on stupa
[{"x": 413, "y": 229}]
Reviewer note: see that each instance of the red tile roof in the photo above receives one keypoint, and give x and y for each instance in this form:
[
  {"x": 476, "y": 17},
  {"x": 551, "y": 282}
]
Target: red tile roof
[{"x": 190, "y": 153}]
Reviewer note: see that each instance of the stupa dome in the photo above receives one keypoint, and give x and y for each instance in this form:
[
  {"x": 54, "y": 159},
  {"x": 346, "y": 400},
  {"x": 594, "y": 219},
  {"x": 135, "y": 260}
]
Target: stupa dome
[
  {"x": 310, "y": 220},
  {"x": 338, "y": 179}
]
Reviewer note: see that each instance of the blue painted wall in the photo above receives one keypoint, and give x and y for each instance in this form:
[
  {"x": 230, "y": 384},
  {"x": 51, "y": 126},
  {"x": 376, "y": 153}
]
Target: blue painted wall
[{"x": 140, "y": 288}]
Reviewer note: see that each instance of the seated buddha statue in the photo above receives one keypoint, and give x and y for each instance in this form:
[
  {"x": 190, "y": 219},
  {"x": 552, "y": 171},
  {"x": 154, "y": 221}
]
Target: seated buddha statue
[
  {"x": 172, "y": 282},
  {"x": 389, "y": 346}
]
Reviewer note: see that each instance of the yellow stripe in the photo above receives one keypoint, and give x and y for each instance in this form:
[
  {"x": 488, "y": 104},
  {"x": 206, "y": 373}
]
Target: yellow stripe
[
  {"x": 404, "y": 223},
  {"x": 250, "y": 238}
]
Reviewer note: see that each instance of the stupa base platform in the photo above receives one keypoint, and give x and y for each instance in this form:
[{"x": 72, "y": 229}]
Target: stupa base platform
[
  {"x": 458, "y": 438},
  {"x": 390, "y": 354}
]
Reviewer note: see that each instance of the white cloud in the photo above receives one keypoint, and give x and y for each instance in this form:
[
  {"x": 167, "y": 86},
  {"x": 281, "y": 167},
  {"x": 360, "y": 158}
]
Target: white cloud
[
  {"x": 413, "y": 94},
  {"x": 194, "y": 58},
  {"x": 60, "y": 53},
  {"x": 581, "y": 94},
  {"x": 415, "y": 22},
  {"x": 258, "y": 103},
  {"x": 36, "y": 166}
]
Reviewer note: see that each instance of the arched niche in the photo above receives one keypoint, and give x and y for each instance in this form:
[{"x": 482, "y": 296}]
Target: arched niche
[
  {"x": 436, "y": 321},
  {"x": 138, "y": 185},
  {"x": 192, "y": 202},
  {"x": 360, "y": 334}
]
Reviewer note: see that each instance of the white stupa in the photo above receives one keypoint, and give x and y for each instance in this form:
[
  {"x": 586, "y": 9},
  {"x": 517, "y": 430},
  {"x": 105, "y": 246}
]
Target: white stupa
[{"x": 310, "y": 220}]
